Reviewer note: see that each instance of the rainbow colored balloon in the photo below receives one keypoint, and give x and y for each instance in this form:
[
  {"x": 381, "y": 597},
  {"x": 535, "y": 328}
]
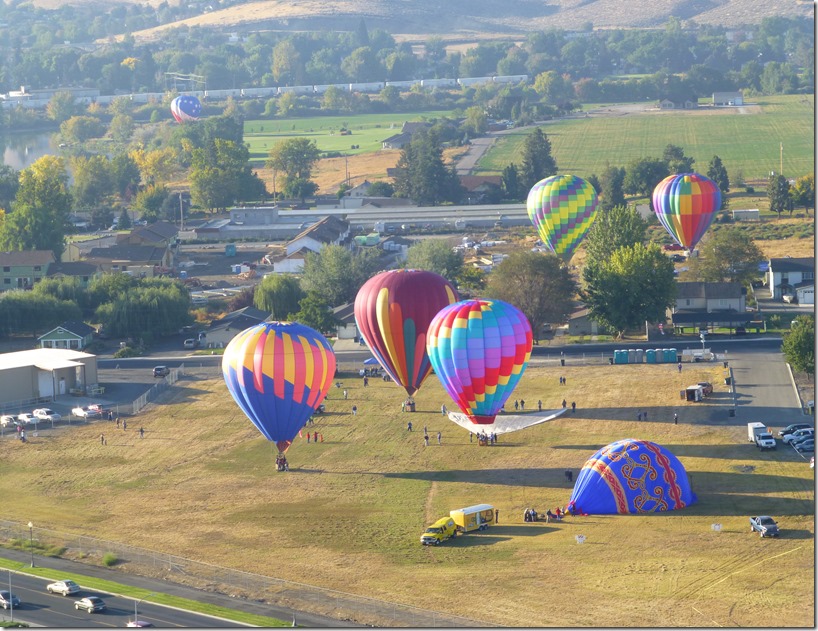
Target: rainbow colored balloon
[
  {"x": 562, "y": 209},
  {"x": 686, "y": 205},
  {"x": 393, "y": 310},
  {"x": 278, "y": 373},
  {"x": 479, "y": 350}
]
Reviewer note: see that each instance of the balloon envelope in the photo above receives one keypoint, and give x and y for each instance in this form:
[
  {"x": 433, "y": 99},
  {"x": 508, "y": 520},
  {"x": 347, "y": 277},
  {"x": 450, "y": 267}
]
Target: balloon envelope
[
  {"x": 278, "y": 373},
  {"x": 686, "y": 205},
  {"x": 393, "y": 310},
  {"x": 632, "y": 476},
  {"x": 562, "y": 209},
  {"x": 185, "y": 108},
  {"x": 479, "y": 350}
]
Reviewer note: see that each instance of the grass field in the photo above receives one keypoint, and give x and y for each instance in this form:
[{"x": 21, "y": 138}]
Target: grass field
[
  {"x": 746, "y": 142},
  {"x": 368, "y": 132},
  {"x": 349, "y": 514}
]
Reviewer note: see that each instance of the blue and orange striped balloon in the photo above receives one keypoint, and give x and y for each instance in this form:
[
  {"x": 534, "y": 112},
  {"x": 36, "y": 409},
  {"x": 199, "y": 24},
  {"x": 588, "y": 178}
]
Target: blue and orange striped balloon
[
  {"x": 479, "y": 350},
  {"x": 562, "y": 209},
  {"x": 279, "y": 373},
  {"x": 686, "y": 205}
]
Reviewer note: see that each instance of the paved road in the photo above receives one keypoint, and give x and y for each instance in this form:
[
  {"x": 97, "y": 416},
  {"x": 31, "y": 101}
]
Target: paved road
[
  {"x": 764, "y": 390},
  {"x": 44, "y": 609}
]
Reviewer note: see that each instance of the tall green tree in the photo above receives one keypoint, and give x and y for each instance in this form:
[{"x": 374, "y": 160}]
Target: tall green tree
[
  {"x": 337, "y": 274},
  {"x": 634, "y": 286},
  {"x": 220, "y": 175},
  {"x": 677, "y": 161},
  {"x": 155, "y": 306},
  {"x": 778, "y": 192},
  {"x": 718, "y": 173},
  {"x": 511, "y": 182},
  {"x": 34, "y": 313},
  {"x": 92, "y": 179},
  {"x": 728, "y": 254},
  {"x": 421, "y": 174},
  {"x": 279, "y": 294},
  {"x": 643, "y": 174},
  {"x": 295, "y": 159},
  {"x": 618, "y": 227},
  {"x": 799, "y": 344},
  {"x": 539, "y": 285},
  {"x": 611, "y": 191},
  {"x": 40, "y": 211},
  {"x": 9, "y": 185},
  {"x": 314, "y": 311},
  {"x": 537, "y": 161},
  {"x": 435, "y": 255}
]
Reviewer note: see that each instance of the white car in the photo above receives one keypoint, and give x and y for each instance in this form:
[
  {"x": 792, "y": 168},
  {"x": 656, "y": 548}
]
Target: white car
[
  {"x": 25, "y": 418},
  {"x": 765, "y": 440},
  {"x": 8, "y": 419},
  {"x": 88, "y": 412},
  {"x": 809, "y": 431},
  {"x": 66, "y": 588},
  {"x": 46, "y": 414}
]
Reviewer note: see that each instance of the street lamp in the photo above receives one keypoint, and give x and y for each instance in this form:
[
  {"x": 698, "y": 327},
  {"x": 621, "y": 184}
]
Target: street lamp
[
  {"x": 31, "y": 541},
  {"x": 11, "y": 599},
  {"x": 136, "y": 602}
]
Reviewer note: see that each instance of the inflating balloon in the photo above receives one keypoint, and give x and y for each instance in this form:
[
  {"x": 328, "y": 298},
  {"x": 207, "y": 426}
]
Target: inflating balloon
[
  {"x": 631, "y": 476},
  {"x": 562, "y": 209},
  {"x": 393, "y": 311},
  {"x": 686, "y": 205},
  {"x": 185, "y": 108},
  {"x": 479, "y": 350},
  {"x": 278, "y": 373}
]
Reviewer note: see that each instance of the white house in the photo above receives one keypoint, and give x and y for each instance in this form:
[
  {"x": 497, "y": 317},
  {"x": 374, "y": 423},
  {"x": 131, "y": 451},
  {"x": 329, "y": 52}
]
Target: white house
[
  {"x": 328, "y": 231},
  {"x": 785, "y": 277},
  {"x": 750, "y": 214},
  {"x": 293, "y": 263},
  {"x": 728, "y": 98}
]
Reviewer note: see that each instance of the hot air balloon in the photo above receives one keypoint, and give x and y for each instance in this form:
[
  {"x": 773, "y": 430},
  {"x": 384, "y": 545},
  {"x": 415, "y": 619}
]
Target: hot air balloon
[
  {"x": 686, "y": 205},
  {"x": 479, "y": 350},
  {"x": 562, "y": 209},
  {"x": 278, "y": 373},
  {"x": 185, "y": 108},
  {"x": 393, "y": 310},
  {"x": 632, "y": 476}
]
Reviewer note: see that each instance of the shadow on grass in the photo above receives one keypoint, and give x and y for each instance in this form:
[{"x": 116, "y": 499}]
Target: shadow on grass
[{"x": 745, "y": 452}]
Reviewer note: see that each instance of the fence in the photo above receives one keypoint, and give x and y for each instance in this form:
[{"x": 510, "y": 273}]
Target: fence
[
  {"x": 158, "y": 388},
  {"x": 299, "y": 596}
]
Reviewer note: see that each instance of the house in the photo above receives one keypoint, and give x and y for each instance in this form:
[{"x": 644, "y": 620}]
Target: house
[
  {"x": 328, "y": 231},
  {"x": 359, "y": 190},
  {"x": 704, "y": 305},
  {"x": 70, "y": 334},
  {"x": 225, "y": 329},
  {"x": 254, "y": 215},
  {"x": 479, "y": 188},
  {"x": 78, "y": 250},
  {"x": 751, "y": 214},
  {"x": 159, "y": 234},
  {"x": 580, "y": 323},
  {"x": 20, "y": 270},
  {"x": 136, "y": 260},
  {"x": 678, "y": 103},
  {"x": 409, "y": 129},
  {"x": 721, "y": 99},
  {"x": 43, "y": 374},
  {"x": 347, "y": 328},
  {"x": 292, "y": 263},
  {"x": 82, "y": 270},
  {"x": 787, "y": 275}
]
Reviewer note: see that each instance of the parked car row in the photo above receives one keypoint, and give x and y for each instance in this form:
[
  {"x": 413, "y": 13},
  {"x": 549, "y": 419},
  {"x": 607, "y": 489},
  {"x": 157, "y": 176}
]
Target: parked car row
[{"x": 26, "y": 418}]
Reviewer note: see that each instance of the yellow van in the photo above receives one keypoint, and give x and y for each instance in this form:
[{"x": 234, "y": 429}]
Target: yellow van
[
  {"x": 439, "y": 531},
  {"x": 477, "y": 517}
]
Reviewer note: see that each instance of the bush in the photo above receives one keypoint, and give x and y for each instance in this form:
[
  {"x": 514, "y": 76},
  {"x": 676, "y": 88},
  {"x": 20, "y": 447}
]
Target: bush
[
  {"x": 750, "y": 190},
  {"x": 109, "y": 559},
  {"x": 126, "y": 352}
]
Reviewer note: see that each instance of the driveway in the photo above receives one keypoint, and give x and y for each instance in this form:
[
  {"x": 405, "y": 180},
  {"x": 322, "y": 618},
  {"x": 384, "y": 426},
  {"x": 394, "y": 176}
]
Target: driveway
[{"x": 764, "y": 390}]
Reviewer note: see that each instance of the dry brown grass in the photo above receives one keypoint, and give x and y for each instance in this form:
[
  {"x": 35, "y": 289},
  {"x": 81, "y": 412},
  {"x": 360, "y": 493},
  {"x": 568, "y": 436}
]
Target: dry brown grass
[{"x": 349, "y": 514}]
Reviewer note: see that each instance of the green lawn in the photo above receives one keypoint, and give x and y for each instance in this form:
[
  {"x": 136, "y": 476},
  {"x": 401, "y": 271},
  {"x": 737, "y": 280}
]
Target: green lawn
[
  {"x": 368, "y": 131},
  {"x": 745, "y": 142}
]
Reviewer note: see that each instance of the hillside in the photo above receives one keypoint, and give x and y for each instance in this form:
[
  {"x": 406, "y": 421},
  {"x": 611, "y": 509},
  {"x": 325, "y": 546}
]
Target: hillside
[{"x": 470, "y": 18}]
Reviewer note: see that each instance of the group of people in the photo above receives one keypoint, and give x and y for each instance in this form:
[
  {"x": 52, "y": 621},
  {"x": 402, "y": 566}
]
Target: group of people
[
  {"x": 484, "y": 439},
  {"x": 315, "y": 437},
  {"x": 531, "y": 514},
  {"x": 557, "y": 514},
  {"x": 281, "y": 463}
]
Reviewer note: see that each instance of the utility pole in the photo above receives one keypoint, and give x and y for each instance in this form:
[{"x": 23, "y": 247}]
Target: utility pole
[{"x": 781, "y": 159}]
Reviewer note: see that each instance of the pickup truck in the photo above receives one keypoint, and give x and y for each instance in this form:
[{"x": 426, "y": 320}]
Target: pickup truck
[{"x": 765, "y": 440}]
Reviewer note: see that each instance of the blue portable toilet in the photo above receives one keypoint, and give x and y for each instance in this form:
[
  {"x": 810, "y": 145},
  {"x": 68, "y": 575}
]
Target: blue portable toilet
[
  {"x": 230, "y": 249},
  {"x": 620, "y": 357},
  {"x": 182, "y": 274},
  {"x": 650, "y": 356},
  {"x": 670, "y": 355}
]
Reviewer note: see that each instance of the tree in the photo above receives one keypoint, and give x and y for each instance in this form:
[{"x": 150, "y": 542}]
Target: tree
[
  {"x": 154, "y": 306},
  {"x": 435, "y": 255},
  {"x": 82, "y": 128},
  {"x": 799, "y": 344},
  {"x": 61, "y": 107},
  {"x": 124, "y": 222},
  {"x": 677, "y": 161},
  {"x": 31, "y": 312},
  {"x": 41, "y": 208},
  {"x": 540, "y": 285},
  {"x": 121, "y": 128},
  {"x": 9, "y": 185},
  {"x": 361, "y": 65},
  {"x": 538, "y": 163},
  {"x": 476, "y": 122},
  {"x": 642, "y": 176},
  {"x": 337, "y": 274},
  {"x": 618, "y": 227},
  {"x": 511, "y": 182},
  {"x": 611, "y": 182},
  {"x": 778, "y": 192},
  {"x": 421, "y": 173},
  {"x": 287, "y": 66},
  {"x": 381, "y": 189},
  {"x": 314, "y": 311},
  {"x": 279, "y": 294},
  {"x": 148, "y": 202},
  {"x": 634, "y": 286},
  {"x": 729, "y": 254},
  {"x": 803, "y": 192},
  {"x": 295, "y": 158},
  {"x": 717, "y": 173},
  {"x": 220, "y": 175},
  {"x": 92, "y": 179}
]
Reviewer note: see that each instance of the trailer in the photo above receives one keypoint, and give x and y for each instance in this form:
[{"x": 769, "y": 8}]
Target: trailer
[{"x": 477, "y": 517}]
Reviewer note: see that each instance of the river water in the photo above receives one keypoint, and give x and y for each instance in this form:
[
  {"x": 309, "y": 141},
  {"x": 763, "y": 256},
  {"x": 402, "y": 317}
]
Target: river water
[{"x": 20, "y": 150}]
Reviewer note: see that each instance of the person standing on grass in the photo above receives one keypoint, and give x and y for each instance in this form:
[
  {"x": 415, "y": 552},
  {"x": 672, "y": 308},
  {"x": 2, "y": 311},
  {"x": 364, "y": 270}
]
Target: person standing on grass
[
  {"x": 102, "y": 439},
  {"x": 354, "y": 410},
  {"x": 426, "y": 440},
  {"x": 439, "y": 438},
  {"x": 141, "y": 432}
]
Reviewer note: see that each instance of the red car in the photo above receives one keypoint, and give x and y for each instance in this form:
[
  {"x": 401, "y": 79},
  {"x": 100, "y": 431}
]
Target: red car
[{"x": 673, "y": 247}]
